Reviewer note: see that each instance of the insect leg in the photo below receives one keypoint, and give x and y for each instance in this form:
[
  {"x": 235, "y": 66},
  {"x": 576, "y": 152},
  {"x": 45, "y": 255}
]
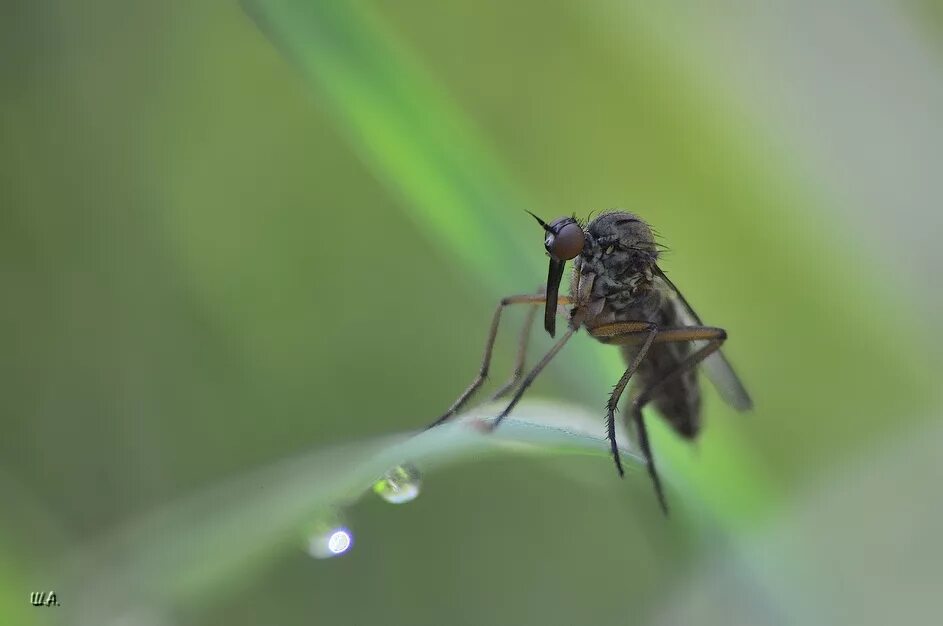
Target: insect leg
[
  {"x": 521, "y": 355},
  {"x": 644, "y": 332},
  {"x": 529, "y": 379},
  {"x": 649, "y": 458},
  {"x": 489, "y": 347},
  {"x": 715, "y": 337}
]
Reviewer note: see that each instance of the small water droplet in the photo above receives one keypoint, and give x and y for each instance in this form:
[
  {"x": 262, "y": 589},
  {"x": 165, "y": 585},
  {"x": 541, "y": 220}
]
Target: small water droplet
[
  {"x": 329, "y": 540},
  {"x": 400, "y": 484}
]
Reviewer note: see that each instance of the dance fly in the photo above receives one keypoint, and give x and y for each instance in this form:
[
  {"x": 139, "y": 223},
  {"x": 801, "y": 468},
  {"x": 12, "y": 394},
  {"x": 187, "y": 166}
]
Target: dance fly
[{"x": 622, "y": 298}]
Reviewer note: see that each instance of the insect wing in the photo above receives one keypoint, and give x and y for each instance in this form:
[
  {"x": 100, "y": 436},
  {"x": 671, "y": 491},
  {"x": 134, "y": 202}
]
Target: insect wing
[
  {"x": 716, "y": 366},
  {"x": 726, "y": 381}
]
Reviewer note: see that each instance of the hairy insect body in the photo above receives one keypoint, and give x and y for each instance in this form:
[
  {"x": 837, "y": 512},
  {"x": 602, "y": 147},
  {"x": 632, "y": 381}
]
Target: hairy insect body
[
  {"x": 678, "y": 399},
  {"x": 622, "y": 298},
  {"x": 614, "y": 281}
]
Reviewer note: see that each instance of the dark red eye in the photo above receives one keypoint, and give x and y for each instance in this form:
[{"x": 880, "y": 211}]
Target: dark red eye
[{"x": 565, "y": 239}]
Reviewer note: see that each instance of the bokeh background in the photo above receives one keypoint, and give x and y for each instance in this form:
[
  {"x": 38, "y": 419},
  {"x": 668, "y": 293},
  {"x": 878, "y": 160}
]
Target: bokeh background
[{"x": 235, "y": 234}]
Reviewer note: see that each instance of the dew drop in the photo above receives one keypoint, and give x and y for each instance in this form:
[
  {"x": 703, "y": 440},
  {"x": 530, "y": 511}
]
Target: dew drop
[
  {"x": 400, "y": 484},
  {"x": 331, "y": 541},
  {"x": 328, "y": 537}
]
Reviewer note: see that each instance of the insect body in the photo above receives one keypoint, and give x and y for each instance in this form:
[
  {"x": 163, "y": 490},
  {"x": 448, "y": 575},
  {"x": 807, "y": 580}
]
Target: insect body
[{"x": 621, "y": 297}]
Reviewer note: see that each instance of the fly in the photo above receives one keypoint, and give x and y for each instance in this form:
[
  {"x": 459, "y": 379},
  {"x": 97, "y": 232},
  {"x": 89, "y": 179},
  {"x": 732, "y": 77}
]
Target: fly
[{"x": 622, "y": 298}]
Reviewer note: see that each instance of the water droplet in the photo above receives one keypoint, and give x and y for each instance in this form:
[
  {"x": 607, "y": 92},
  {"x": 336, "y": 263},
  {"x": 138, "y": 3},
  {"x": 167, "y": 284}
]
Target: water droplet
[
  {"x": 400, "y": 484},
  {"x": 330, "y": 542}
]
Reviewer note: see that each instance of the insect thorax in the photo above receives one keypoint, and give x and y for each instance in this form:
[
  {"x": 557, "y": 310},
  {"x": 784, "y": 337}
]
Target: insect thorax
[{"x": 613, "y": 278}]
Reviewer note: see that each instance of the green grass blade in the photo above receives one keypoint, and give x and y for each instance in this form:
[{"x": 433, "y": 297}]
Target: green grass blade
[
  {"x": 415, "y": 138},
  {"x": 188, "y": 549}
]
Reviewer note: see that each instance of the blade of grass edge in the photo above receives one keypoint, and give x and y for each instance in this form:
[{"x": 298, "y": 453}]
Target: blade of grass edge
[{"x": 190, "y": 548}]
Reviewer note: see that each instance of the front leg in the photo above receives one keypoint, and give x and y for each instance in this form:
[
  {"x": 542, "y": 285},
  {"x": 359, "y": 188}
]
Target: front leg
[
  {"x": 529, "y": 379},
  {"x": 522, "y": 342},
  {"x": 532, "y": 299}
]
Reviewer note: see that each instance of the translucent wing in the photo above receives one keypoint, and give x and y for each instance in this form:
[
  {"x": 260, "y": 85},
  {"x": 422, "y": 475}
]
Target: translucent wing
[{"x": 716, "y": 366}]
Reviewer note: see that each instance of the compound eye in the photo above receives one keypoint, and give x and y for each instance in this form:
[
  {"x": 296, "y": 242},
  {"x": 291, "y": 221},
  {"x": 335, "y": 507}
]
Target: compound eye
[{"x": 565, "y": 239}]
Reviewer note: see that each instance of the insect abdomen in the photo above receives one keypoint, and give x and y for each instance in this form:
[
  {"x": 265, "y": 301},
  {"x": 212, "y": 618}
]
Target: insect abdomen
[{"x": 678, "y": 400}]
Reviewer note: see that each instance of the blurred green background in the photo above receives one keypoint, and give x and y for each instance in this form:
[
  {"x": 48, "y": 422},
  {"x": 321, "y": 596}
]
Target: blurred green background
[{"x": 235, "y": 234}]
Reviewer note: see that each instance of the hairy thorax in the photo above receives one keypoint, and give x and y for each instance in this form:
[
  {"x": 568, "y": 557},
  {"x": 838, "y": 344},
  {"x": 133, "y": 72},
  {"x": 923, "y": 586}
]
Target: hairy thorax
[{"x": 613, "y": 279}]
